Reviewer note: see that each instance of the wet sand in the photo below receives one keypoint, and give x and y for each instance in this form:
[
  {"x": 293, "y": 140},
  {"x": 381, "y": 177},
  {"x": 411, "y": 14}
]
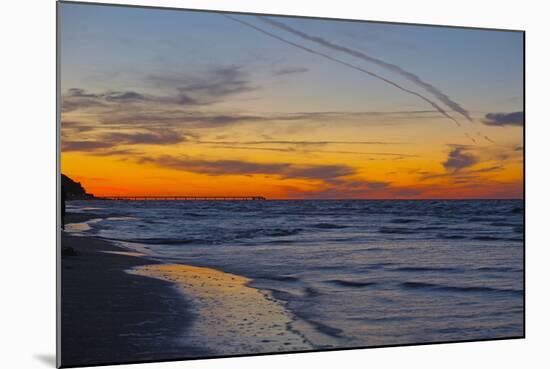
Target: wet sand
[
  {"x": 231, "y": 317},
  {"x": 110, "y": 316}
]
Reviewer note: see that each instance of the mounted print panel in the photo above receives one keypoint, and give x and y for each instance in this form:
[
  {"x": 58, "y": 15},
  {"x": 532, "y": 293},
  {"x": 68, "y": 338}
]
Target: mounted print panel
[{"x": 243, "y": 184}]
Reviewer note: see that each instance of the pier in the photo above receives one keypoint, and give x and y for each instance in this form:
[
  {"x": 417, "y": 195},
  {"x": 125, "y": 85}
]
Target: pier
[{"x": 188, "y": 198}]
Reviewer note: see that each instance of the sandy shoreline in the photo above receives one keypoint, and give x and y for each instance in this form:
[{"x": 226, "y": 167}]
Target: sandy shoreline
[
  {"x": 110, "y": 316},
  {"x": 122, "y": 307},
  {"x": 232, "y": 317}
]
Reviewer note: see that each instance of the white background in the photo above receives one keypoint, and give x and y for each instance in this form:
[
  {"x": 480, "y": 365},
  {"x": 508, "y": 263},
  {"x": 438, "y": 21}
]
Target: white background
[{"x": 27, "y": 202}]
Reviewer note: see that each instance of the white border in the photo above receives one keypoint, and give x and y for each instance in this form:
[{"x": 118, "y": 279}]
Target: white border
[{"x": 28, "y": 182}]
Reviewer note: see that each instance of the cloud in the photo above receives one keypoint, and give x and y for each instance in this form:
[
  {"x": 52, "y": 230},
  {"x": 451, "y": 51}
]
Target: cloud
[
  {"x": 302, "y": 143},
  {"x": 349, "y": 65},
  {"x": 364, "y": 184},
  {"x": 77, "y": 98},
  {"x": 164, "y": 137},
  {"x": 348, "y": 189},
  {"x": 486, "y": 169},
  {"x": 307, "y": 147},
  {"x": 153, "y": 115},
  {"x": 84, "y": 145},
  {"x": 79, "y": 92},
  {"x": 116, "y": 152},
  {"x": 328, "y": 173},
  {"x": 504, "y": 119},
  {"x": 76, "y": 126},
  {"x": 441, "y": 96},
  {"x": 472, "y": 164},
  {"x": 470, "y": 138},
  {"x": 208, "y": 88},
  {"x": 114, "y": 139},
  {"x": 458, "y": 159},
  {"x": 313, "y": 150},
  {"x": 289, "y": 70},
  {"x": 124, "y": 96}
]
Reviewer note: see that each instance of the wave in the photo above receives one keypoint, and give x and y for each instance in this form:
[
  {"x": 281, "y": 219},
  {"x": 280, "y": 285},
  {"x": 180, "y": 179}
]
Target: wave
[
  {"x": 450, "y": 236},
  {"x": 347, "y": 283},
  {"x": 396, "y": 230},
  {"x": 311, "y": 292},
  {"x": 159, "y": 241},
  {"x": 431, "y": 228},
  {"x": 427, "y": 269},
  {"x": 276, "y": 232},
  {"x": 380, "y": 265},
  {"x": 404, "y": 220},
  {"x": 504, "y": 224},
  {"x": 280, "y": 232},
  {"x": 328, "y": 226},
  {"x": 438, "y": 287},
  {"x": 284, "y": 278},
  {"x": 392, "y": 318},
  {"x": 281, "y": 242},
  {"x": 493, "y": 238},
  {"x": 498, "y": 269},
  {"x": 321, "y": 327},
  {"x": 167, "y": 241},
  {"x": 194, "y": 215},
  {"x": 486, "y": 219}
]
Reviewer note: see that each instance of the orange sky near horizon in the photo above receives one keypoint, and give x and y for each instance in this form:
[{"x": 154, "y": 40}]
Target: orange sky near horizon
[{"x": 419, "y": 173}]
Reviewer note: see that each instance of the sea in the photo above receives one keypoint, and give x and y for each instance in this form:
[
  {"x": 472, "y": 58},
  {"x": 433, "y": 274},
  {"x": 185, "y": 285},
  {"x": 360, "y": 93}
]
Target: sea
[{"x": 362, "y": 273}]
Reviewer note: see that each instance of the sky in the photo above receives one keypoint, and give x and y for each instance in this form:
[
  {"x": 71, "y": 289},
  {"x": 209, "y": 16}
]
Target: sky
[{"x": 167, "y": 102}]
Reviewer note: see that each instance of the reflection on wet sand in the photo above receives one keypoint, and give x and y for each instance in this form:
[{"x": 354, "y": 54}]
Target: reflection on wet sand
[{"x": 251, "y": 320}]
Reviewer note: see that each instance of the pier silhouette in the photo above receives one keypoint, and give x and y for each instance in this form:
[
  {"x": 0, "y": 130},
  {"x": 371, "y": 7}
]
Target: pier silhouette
[{"x": 183, "y": 197}]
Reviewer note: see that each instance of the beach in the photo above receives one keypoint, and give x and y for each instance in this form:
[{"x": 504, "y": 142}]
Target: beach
[
  {"x": 110, "y": 316},
  {"x": 121, "y": 306}
]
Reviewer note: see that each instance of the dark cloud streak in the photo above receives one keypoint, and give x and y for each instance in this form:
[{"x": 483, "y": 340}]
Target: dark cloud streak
[
  {"x": 458, "y": 159},
  {"x": 504, "y": 119},
  {"x": 327, "y": 173},
  {"x": 289, "y": 70},
  {"x": 114, "y": 139}
]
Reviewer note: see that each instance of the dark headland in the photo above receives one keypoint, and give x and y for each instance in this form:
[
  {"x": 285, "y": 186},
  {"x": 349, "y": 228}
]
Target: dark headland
[{"x": 74, "y": 190}]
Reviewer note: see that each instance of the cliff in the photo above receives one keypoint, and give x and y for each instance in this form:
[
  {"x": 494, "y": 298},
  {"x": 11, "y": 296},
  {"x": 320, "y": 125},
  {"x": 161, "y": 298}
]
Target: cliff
[{"x": 74, "y": 190}]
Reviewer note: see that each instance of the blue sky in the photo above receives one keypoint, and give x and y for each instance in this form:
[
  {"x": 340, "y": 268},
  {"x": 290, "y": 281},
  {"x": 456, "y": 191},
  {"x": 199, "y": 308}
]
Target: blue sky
[{"x": 483, "y": 69}]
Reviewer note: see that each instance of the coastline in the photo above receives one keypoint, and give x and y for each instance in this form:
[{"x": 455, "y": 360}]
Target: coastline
[
  {"x": 110, "y": 316},
  {"x": 123, "y": 307},
  {"x": 232, "y": 317},
  {"x": 174, "y": 249}
]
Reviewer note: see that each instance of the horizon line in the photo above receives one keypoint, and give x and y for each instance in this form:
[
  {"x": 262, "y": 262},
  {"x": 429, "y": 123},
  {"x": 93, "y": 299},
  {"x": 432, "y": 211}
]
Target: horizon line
[{"x": 169, "y": 197}]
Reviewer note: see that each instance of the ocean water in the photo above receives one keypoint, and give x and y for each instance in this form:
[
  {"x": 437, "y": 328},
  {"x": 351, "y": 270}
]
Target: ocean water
[{"x": 353, "y": 273}]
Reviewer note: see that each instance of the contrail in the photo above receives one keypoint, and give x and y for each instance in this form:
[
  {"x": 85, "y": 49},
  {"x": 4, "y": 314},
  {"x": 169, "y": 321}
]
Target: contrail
[
  {"x": 470, "y": 138},
  {"x": 485, "y": 137},
  {"x": 437, "y": 107},
  {"x": 389, "y": 66}
]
